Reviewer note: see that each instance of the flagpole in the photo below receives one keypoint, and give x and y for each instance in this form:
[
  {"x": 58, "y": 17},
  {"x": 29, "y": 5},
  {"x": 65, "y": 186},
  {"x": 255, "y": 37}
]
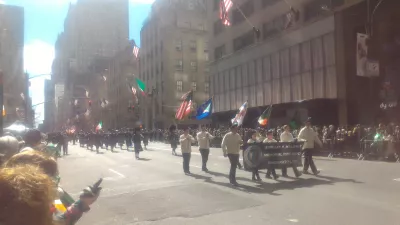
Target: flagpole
[{"x": 255, "y": 29}]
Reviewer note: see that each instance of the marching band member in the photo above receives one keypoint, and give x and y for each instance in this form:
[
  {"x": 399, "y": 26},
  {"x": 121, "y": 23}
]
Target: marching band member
[
  {"x": 186, "y": 141},
  {"x": 231, "y": 148},
  {"x": 310, "y": 137},
  {"x": 204, "y": 138}
]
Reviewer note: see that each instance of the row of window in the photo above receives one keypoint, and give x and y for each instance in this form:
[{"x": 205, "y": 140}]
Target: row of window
[
  {"x": 179, "y": 86},
  {"x": 310, "y": 61},
  {"x": 270, "y": 28},
  {"x": 179, "y": 65},
  {"x": 192, "y": 45}
]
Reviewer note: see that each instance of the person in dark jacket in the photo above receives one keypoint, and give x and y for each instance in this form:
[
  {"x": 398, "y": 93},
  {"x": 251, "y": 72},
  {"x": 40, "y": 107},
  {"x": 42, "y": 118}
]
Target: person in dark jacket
[{"x": 137, "y": 140}]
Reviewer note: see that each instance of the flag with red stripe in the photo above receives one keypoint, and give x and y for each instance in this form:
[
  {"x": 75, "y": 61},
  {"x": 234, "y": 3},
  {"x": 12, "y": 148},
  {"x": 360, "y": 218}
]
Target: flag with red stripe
[
  {"x": 186, "y": 106},
  {"x": 225, "y": 6}
]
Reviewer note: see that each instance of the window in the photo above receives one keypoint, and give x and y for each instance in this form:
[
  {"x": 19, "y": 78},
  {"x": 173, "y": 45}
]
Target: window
[
  {"x": 206, "y": 46},
  {"x": 193, "y": 45},
  {"x": 315, "y": 9},
  {"x": 206, "y": 57},
  {"x": 274, "y": 27},
  {"x": 247, "y": 9},
  {"x": 206, "y": 87},
  {"x": 193, "y": 65},
  {"x": 243, "y": 41},
  {"x": 179, "y": 65},
  {"x": 179, "y": 85},
  {"x": 194, "y": 86},
  {"x": 178, "y": 45},
  {"x": 218, "y": 27},
  {"x": 219, "y": 52},
  {"x": 266, "y": 3}
]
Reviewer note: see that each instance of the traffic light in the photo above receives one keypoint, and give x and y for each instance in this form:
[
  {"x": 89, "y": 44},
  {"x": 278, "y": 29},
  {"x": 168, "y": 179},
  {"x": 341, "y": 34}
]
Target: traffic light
[{"x": 90, "y": 103}]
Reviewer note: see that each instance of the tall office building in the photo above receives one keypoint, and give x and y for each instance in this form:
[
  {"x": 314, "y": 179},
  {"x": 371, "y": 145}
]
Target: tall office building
[
  {"x": 49, "y": 106},
  {"x": 173, "y": 59},
  {"x": 94, "y": 31},
  {"x": 121, "y": 108},
  {"x": 299, "y": 61},
  {"x": 11, "y": 62}
]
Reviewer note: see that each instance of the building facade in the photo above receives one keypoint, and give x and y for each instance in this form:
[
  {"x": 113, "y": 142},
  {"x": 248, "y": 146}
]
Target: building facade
[
  {"x": 121, "y": 109},
  {"x": 173, "y": 59},
  {"x": 15, "y": 82},
  {"x": 294, "y": 64},
  {"x": 49, "y": 106},
  {"x": 94, "y": 31}
]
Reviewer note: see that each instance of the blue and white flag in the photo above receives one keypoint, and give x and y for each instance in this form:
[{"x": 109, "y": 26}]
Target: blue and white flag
[{"x": 204, "y": 110}]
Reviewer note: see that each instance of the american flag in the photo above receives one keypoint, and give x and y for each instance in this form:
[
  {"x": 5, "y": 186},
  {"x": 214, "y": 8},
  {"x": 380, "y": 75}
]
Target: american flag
[
  {"x": 136, "y": 51},
  {"x": 185, "y": 107},
  {"x": 225, "y": 6}
]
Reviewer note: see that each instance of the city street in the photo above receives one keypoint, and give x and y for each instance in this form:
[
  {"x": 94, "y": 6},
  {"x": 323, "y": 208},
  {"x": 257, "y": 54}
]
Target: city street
[{"x": 154, "y": 190}]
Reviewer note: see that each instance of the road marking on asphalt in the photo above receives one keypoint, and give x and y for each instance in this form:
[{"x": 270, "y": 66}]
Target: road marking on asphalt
[
  {"x": 293, "y": 220},
  {"x": 397, "y": 179},
  {"x": 118, "y": 173}
]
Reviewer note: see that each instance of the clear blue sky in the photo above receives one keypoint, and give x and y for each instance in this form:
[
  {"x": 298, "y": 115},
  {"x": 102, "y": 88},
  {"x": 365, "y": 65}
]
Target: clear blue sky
[{"x": 44, "y": 20}]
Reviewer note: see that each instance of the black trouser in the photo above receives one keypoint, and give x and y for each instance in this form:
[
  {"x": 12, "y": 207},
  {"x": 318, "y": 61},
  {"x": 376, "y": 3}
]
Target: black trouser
[
  {"x": 295, "y": 171},
  {"x": 204, "y": 157},
  {"x": 269, "y": 171},
  {"x": 65, "y": 148},
  {"x": 255, "y": 175},
  {"x": 186, "y": 161},
  {"x": 308, "y": 160},
  {"x": 234, "y": 159}
]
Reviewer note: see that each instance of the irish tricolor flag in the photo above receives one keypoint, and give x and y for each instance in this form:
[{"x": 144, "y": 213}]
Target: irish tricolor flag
[
  {"x": 141, "y": 85},
  {"x": 99, "y": 126},
  {"x": 264, "y": 118}
]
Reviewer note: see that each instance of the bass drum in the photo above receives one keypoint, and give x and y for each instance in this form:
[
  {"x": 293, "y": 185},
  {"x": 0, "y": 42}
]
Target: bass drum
[{"x": 252, "y": 157}]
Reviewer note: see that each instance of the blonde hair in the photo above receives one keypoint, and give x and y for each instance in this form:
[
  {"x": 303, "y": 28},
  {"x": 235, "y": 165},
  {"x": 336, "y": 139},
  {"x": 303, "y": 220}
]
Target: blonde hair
[
  {"x": 26, "y": 194},
  {"x": 35, "y": 158}
]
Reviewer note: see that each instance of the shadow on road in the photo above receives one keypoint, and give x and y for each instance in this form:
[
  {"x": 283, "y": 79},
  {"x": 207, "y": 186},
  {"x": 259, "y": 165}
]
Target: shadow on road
[
  {"x": 270, "y": 188},
  {"x": 144, "y": 159}
]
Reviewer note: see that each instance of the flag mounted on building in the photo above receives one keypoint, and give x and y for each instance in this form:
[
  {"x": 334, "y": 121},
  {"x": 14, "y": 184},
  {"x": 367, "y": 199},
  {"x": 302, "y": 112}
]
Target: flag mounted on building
[
  {"x": 238, "y": 119},
  {"x": 134, "y": 92},
  {"x": 185, "y": 108},
  {"x": 264, "y": 118},
  {"x": 135, "y": 49},
  {"x": 225, "y": 7},
  {"x": 99, "y": 126},
  {"x": 141, "y": 85},
  {"x": 204, "y": 110}
]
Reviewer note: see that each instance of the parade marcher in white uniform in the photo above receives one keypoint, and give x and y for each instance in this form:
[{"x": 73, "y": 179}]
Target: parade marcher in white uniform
[
  {"x": 270, "y": 139},
  {"x": 255, "y": 175},
  {"x": 186, "y": 141},
  {"x": 286, "y": 136},
  {"x": 204, "y": 138},
  {"x": 231, "y": 148},
  {"x": 308, "y": 135}
]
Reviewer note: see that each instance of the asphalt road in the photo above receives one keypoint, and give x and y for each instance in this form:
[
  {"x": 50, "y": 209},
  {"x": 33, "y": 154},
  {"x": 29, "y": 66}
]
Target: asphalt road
[{"x": 154, "y": 190}]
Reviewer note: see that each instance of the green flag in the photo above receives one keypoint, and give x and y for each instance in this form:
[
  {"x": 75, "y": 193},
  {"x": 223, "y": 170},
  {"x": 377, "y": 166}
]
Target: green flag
[
  {"x": 264, "y": 118},
  {"x": 141, "y": 85}
]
